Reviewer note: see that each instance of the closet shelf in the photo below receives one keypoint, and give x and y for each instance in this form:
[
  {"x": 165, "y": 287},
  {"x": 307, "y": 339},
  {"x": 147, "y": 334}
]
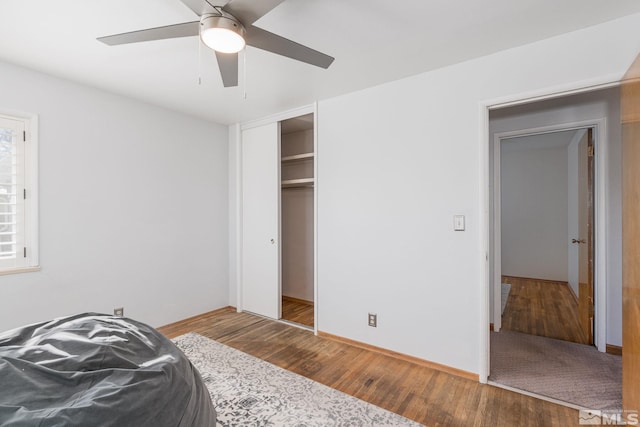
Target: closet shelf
[
  {"x": 302, "y": 182},
  {"x": 298, "y": 157}
]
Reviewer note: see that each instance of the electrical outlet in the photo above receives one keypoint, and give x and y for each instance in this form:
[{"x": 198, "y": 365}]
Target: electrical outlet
[
  {"x": 373, "y": 320},
  {"x": 118, "y": 312}
]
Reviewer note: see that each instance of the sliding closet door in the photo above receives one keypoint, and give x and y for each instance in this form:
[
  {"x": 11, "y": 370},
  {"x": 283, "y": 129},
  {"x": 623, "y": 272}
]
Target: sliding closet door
[{"x": 260, "y": 220}]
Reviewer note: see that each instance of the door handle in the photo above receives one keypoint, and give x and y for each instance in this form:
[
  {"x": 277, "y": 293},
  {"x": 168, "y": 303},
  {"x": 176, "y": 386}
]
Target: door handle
[
  {"x": 273, "y": 241},
  {"x": 578, "y": 241}
]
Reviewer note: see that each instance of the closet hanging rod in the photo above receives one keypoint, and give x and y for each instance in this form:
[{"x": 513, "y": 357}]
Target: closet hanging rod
[
  {"x": 298, "y": 157},
  {"x": 299, "y": 181}
]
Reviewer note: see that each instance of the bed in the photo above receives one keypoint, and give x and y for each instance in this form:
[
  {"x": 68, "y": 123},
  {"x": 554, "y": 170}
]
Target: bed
[{"x": 98, "y": 370}]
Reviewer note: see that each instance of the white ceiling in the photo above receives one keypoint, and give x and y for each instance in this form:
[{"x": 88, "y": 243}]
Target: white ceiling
[{"x": 373, "y": 41}]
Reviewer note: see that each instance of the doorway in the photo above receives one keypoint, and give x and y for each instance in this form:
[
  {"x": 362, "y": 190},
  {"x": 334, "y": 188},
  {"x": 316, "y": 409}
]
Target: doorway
[
  {"x": 545, "y": 222},
  {"x": 586, "y": 115},
  {"x": 600, "y": 110}
]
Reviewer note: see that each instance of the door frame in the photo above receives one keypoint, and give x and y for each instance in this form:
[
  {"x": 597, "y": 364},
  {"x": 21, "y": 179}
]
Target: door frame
[
  {"x": 237, "y": 271},
  {"x": 484, "y": 191},
  {"x": 599, "y": 220}
]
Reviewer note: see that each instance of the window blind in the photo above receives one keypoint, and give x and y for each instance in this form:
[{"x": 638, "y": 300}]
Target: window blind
[{"x": 12, "y": 192}]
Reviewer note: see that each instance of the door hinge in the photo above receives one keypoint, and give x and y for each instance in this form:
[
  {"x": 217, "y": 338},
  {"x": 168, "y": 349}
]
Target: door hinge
[
  {"x": 24, "y": 193},
  {"x": 590, "y": 151},
  {"x": 25, "y": 252},
  {"x": 24, "y": 136}
]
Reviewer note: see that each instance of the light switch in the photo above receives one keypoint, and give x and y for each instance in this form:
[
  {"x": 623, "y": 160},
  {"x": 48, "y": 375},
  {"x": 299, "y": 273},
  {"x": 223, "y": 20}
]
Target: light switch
[{"x": 458, "y": 222}]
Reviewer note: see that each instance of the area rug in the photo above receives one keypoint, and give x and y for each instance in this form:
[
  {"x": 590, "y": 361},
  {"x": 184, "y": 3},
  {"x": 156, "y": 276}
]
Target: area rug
[
  {"x": 247, "y": 391},
  {"x": 570, "y": 372},
  {"x": 505, "y": 288}
]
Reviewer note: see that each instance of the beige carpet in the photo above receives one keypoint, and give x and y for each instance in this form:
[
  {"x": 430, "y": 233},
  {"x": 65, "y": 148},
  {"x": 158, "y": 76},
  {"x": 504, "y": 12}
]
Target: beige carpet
[{"x": 570, "y": 372}]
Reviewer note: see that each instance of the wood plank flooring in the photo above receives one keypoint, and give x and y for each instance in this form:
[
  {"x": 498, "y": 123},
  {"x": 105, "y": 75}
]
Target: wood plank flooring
[
  {"x": 422, "y": 394},
  {"x": 297, "y": 310},
  {"x": 544, "y": 308}
]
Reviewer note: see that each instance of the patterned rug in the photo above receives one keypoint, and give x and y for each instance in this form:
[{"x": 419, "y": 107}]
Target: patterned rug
[{"x": 247, "y": 391}]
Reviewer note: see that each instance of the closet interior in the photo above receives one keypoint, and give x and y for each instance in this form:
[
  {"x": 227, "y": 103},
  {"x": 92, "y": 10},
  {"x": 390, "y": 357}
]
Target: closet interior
[{"x": 297, "y": 150}]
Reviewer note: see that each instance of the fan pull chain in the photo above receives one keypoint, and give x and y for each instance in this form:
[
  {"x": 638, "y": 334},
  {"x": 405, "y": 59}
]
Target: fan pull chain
[
  {"x": 244, "y": 73},
  {"x": 199, "y": 62}
]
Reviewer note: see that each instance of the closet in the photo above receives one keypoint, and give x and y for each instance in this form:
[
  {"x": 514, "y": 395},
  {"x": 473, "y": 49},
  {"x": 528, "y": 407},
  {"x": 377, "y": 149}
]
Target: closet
[
  {"x": 277, "y": 216},
  {"x": 297, "y": 153}
]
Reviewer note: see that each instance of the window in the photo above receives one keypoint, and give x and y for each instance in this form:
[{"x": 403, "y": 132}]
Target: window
[{"x": 18, "y": 224}]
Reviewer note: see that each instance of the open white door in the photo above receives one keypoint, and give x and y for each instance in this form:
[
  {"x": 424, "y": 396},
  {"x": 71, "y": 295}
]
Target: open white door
[{"x": 260, "y": 220}]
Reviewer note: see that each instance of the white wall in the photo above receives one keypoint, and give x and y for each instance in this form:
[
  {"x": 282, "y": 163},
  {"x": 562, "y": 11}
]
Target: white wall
[
  {"x": 534, "y": 210},
  {"x": 396, "y": 163},
  {"x": 133, "y": 207},
  {"x": 580, "y": 108}
]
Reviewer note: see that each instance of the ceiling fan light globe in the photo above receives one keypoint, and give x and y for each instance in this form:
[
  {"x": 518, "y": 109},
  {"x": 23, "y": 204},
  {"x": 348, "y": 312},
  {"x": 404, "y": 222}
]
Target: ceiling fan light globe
[
  {"x": 222, "y": 34},
  {"x": 223, "y": 40}
]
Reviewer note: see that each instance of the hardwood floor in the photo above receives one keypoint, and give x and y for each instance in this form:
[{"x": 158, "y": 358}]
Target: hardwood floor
[
  {"x": 431, "y": 397},
  {"x": 297, "y": 310},
  {"x": 544, "y": 308}
]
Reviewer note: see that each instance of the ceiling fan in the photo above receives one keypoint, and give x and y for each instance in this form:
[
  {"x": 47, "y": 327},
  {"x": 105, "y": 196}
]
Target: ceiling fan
[{"x": 226, "y": 29}]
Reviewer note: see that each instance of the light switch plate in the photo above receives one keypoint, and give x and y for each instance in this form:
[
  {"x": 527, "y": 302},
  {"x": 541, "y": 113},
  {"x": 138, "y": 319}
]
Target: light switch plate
[{"x": 458, "y": 222}]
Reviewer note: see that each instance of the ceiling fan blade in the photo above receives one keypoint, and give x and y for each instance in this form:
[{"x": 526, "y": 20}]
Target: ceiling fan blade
[
  {"x": 262, "y": 39},
  {"x": 200, "y": 7},
  {"x": 249, "y": 11},
  {"x": 228, "y": 64},
  {"x": 186, "y": 29}
]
